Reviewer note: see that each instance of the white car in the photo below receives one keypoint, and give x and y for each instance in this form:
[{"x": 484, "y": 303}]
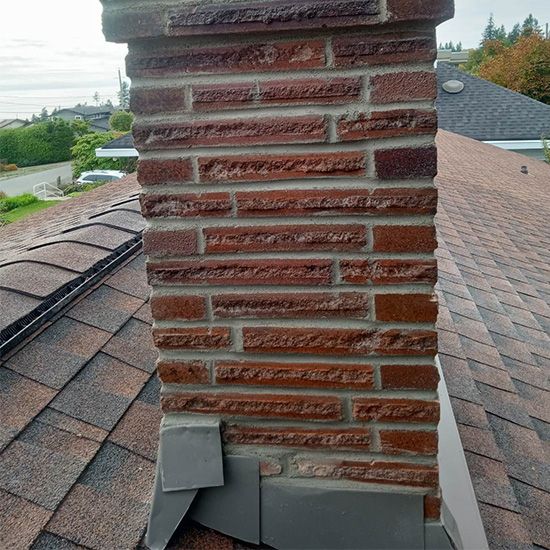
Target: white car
[{"x": 99, "y": 176}]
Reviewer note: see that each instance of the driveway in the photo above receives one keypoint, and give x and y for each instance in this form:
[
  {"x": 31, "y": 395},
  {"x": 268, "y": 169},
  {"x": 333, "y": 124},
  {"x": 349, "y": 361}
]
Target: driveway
[{"x": 25, "y": 184}]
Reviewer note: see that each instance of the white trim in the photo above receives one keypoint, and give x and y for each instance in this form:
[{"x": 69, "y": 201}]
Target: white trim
[
  {"x": 516, "y": 145},
  {"x": 115, "y": 153}
]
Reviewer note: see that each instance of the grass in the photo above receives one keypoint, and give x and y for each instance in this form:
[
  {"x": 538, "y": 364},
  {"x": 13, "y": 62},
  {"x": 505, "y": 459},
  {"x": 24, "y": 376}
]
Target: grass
[
  {"x": 24, "y": 211},
  {"x": 29, "y": 170}
]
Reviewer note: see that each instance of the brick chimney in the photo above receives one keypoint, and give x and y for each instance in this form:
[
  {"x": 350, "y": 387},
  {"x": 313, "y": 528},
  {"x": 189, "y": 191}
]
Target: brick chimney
[{"x": 287, "y": 164}]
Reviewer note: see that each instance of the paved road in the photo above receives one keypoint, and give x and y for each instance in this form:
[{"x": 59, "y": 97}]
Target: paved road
[{"x": 24, "y": 184}]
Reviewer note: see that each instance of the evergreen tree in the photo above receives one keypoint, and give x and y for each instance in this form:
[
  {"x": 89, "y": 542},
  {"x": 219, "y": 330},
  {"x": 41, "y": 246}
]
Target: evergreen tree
[
  {"x": 490, "y": 30},
  {"x": 531, "y": 26},
  {"x": 124, "y": 96},
  {"x": 514, "y": 34},
  {"x": 97, "y": 99}
]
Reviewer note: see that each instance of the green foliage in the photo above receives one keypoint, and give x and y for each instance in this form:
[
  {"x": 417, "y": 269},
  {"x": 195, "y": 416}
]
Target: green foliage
[
  {"x": 84, "y": 158},
  {"x": 451, "y": 46},
  {"x": 42, "y": 143},
  {"x": 11, "y": 203},
  {"x": 121, "y": 121},
  {"x": 546, "y": 148},
  {"x": 80, "y": 128},
  {"x": 124, "y": 96}
]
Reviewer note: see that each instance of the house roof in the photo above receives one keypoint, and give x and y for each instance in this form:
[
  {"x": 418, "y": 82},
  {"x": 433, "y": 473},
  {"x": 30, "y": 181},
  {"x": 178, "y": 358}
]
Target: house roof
[
  {"x": 89, "y": 110},
  {"x": 80, "y": 403},
  {"x": 488, "y": 112},
  {"x": 6, "y": 122},
  {"x": 123, "y": 142}
]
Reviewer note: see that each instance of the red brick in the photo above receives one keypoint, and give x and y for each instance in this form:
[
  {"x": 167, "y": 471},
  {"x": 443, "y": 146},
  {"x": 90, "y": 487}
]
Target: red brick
[
  {"x": 211, "y": 97},
  {"x": 184, "y": 205},
  {"x": 270, "y": 468},
  {"x": 395, "y": 410},
  {"x": 290, "y": 436},
  {"x": 283, "y": 238},
  {"x": 196, "y": 338},
  {"x": 396, "y": 442},
  {"x": 327, "y": 341},
  {"x": 385, "y": 124},
  {"x": 409, "y": 377},
  {"x": 170, "y": 243},
  {"x": 420, "y": 10},
  {"x": 153, "y": 172},
  {"x": 150, "y": 101},
  {"x": 269, "y": 16},
  {"x": 306, "y": 375},
  {"x": 242, "y": 272},
  {"x": 404, "y": 86},
  {"x": 404, "y": 238},
  {"x": 394, "y": 473},
  {"x": 252, "y": 131},
  {"x": 407, "y": 308},
  {"x": 262, "y": 405},
  {"x": 388, "y": 272},
  {"x": 253, "y": 57},
  {"x": 410, "y": 163},
  {"x": 178, "y": 307},
  {"x": 281, "y": 167},
  {"x": 291, "y": 305},
  {"x": 183, "y": 372},
  {"x": 337, "y": 201},
  {"x": 368, "y": 49},
  {"x": 432, "y": 507}
]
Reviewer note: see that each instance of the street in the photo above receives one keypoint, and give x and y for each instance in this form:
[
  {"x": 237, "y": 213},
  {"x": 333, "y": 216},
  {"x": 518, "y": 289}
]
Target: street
[{"x": 25, "y": 184}]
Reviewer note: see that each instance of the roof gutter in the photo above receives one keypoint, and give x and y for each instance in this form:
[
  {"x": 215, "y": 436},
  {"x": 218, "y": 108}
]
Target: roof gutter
[
  {"x": 516, "y": 145},
  {"x": 116, "y": 153}
]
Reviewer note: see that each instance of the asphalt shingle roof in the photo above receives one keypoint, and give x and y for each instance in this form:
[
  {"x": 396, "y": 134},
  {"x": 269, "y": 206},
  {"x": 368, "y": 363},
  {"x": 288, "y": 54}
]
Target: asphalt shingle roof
[{"x": 487, "y": 112}]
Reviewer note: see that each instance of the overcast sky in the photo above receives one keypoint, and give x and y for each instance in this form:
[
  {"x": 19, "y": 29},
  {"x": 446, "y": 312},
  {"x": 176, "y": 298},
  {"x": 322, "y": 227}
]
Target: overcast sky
[{"x": 53, "y": 53}]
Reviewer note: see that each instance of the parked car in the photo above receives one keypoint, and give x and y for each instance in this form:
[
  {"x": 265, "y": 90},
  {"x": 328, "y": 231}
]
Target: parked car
[{"x": 99, "y": 176}]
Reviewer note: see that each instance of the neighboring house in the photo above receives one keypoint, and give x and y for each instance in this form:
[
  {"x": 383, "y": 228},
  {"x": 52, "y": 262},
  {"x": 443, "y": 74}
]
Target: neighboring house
[
  {"x": 118, "y": 148},
  {"x": 13, "y": 123},
  {"x": 97, "y": 117},
  {"x": 454, "y": 58},
  {"x": 80, "y": 412},
  {"x": 479, "y": 109}
]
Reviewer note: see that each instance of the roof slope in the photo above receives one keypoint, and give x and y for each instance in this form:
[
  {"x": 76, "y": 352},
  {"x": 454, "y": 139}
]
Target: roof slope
[
  {"x": 80, "y": 405},
  {"x": 488, "y": 112},
  {"x": 494, "y": 288}
]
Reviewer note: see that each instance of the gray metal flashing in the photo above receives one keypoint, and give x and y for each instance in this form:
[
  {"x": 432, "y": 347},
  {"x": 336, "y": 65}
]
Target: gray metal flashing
[
  {"x": 305, "y": 517},
  {"x": 436, "y": 537},
  {"x": 191, "y": 455},
  {"x": 233, "y": 509},
  {"x": 460, "y": 512}
]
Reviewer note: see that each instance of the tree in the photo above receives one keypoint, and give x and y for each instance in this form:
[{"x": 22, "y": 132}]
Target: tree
[
  {"x": 80, "y": 128},
  {"x": 84, "y": 157},
  {"x": 514, "y": 34},
  {"x": 124, "y": 96},
  {"x": 523, "y": 67},
  {"x": 531, "y": 26},
  {"x": 121, "y": 121},
  {"x": 97, "y": 98},
  {"x": 490, "y": 31}
]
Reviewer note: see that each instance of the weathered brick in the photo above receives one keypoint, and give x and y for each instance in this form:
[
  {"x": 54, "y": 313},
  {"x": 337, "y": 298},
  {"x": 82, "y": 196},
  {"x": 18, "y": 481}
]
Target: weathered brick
[
  {"x": 125, "y": 25},
  {"x": 269, "y": 16},
  {"x": 327, "y": 341},
  {"x": 153, "y": 172},
  {"x": 397, "y": 442},
  {"x": 310, "y": 375},
  {"x": 388, "y": 272},
  {"x": 368, "y": 49},
  {"x": 170, "y": 243},
  {"x": 383, "y": 124},
  {"x": 150, "y": 101},
  {"x": 183, "y": 372},
  {"x": 178, "y": 307},
  {"x": 409, "y": 377},
  {"x": 337, "y": 201},
  {"x": 423, "y": 10},
  {"x": 241, "y": 272},
  {"x": 404, "y": 238},
  {"x": 368, "y": 409},
  {"x": 253, "y": 57},
  {"x": 270, "y": 468},
  {"x": 313, "y": 407},
  {"x": 403, "y": 86},
  {"x": 291, "y": 305},
  {"x": 412, "y": 308},
  {"x": 196, "y": 338},
  {"x": 410, "y": 163},
  {"x": 271, "y": 167},
  {"x": 212, "y": 97},
  {"x": 253, "y": 131},
  {"x": 276, "y": 238},
  {"x": 432, "y": 507},
  {"x": 290, "y": 436},
  {"x": 394, "y": 473},
  {"x": 184, "y": 205}
]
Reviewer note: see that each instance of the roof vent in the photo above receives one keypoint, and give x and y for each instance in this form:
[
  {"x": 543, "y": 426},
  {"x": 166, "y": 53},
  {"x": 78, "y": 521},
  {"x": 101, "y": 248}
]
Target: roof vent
[{"x": 453, "y": 86}]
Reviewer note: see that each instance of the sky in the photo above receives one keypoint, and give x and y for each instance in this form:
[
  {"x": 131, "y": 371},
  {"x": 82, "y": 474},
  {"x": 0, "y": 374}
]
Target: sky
[{"x": 53, "y": 53}]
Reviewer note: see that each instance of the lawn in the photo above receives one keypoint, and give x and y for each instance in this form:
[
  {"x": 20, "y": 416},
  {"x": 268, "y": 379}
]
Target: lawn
[{"x": 24, "y": 211}]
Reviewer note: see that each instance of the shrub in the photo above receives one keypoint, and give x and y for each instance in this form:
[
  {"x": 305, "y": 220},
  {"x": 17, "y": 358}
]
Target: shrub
[
  {"x": 121, "y": 121},
  {"x": 84, "y": 158},
  {"x": 8, "y": 167},
  {"x": 11, "y": 203}
]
